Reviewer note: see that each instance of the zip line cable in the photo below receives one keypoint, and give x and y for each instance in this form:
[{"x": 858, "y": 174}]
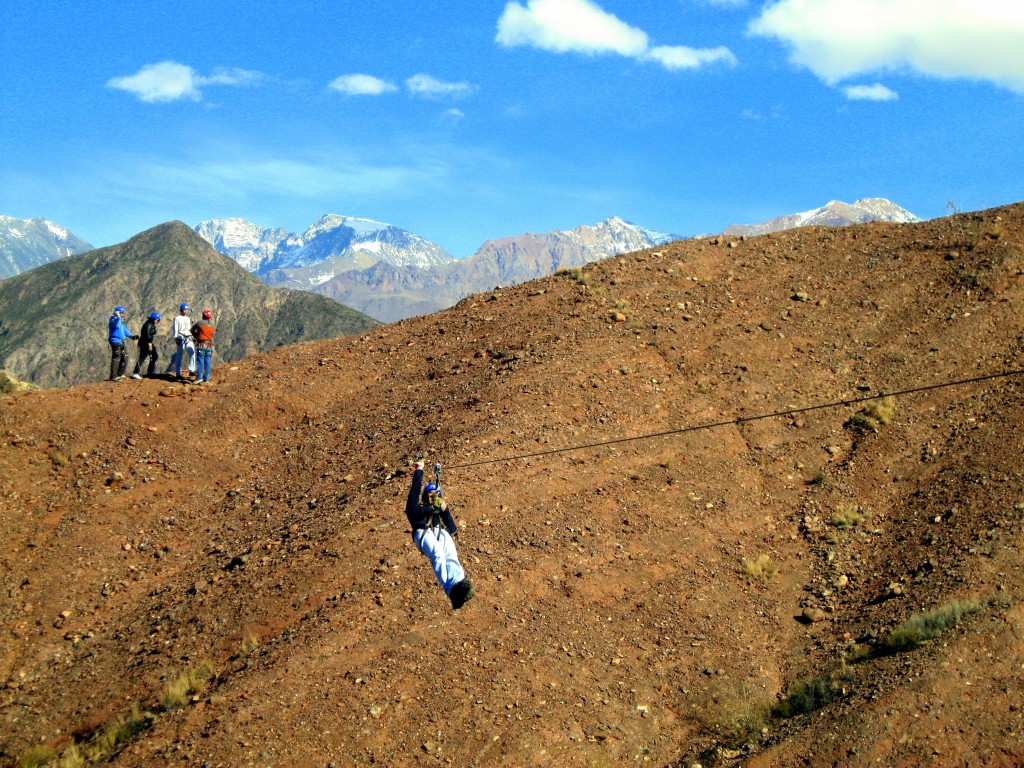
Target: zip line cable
[{"x": 742, "y": 419}]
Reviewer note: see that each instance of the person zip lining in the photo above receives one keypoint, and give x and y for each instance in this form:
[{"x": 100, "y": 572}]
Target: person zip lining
[{"x": 434, "y": 533}]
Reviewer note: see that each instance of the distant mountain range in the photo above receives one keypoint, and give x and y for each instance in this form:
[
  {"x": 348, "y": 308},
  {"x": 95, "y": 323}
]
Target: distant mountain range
[
  {"x": 833, "y": 214},
  {"x": 390, "y": 274},
  {"x": 28, "y": 243},
  {"x": 53, "y": 319}
]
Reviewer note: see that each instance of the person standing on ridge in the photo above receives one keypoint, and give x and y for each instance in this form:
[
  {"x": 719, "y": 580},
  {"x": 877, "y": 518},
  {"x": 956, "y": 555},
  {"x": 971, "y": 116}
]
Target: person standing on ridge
[
  {"x": 203, "y": 332},
  {"x": 117, "y": 335},
  {"x": 434, "y": 533},
  {"x": 147, "y": 347},
  {"x": 183, "y": 338}
]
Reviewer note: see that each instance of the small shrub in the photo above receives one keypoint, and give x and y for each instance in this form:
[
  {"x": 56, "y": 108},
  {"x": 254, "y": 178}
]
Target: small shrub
[
  {"x": 818, "y": 479},
  {"x": 922, "y": 627},
  {"x": 59, "y": 459},
  {"x": 250, "y": 642},
  {"x": 178, "y": 691},
  {"x": 761, "y": 568},
  {"x": 805, "y": 696},
  {"x": 847, "y": 516},
  {"x": 856, "y": 652},
  {"x": 119, "y": 732},
  {"x": 36, "y": 757},
  {"x": 72, "y": 758},
  {"x": 576, "y": 273},
  {"x": 881, "y": 410},
  {"x": 736, "y": 713},
  {"x": 874, "y": 414}
]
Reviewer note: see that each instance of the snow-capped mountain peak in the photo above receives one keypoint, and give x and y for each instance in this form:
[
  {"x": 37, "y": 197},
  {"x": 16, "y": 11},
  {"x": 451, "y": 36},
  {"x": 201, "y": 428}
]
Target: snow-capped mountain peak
[
  {"x": 29, "y": 243},
  {"x": 331, "y": 245},
  {"x": 835, "y": 213}
]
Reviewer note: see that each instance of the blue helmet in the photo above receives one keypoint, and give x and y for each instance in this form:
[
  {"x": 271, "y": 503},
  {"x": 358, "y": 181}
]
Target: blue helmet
[
  {"x": 432, "y": 487},
  {"x": 183, "y": 307},
  {"x": 119, "y": 309},
  {"x": 154, "y": 316}
]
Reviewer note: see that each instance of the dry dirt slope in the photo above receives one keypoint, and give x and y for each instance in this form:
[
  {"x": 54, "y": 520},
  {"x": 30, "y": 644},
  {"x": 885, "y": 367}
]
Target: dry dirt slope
[{"x": 257, "y": 525}]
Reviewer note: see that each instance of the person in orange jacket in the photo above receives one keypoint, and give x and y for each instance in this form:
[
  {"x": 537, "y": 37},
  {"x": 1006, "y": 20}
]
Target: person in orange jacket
[{"x": 203, "y": 333}]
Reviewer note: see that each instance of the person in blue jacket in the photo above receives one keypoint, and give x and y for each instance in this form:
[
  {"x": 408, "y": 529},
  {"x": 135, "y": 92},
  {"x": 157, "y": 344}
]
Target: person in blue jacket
[
  {"x": 434, "y": 533},
  {"x": 117, "y": 336}
]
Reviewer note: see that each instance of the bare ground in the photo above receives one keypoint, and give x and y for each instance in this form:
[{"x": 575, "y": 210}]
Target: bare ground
[{"x": 256, "y": 525}]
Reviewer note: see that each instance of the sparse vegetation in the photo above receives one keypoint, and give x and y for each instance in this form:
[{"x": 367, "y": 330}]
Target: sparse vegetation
[
  {"x": 576, "y": 273},
  {"x": 847, "y": 516},
  {"x": 736, "y": 713},
  {"x": 818, "y": 479},
  {"x": 875, "y": 414},
  {"x": 250, "y": 642},
  {"x": 804, "y": 696},
  {"x": 72, "y": 757},
  {"x": 36, "y": 757},
  {"x": 761, "y": 568},
  {"x": 922, "y": 627},
  {"x": 59, "y": 459},
  {"x": 180, "y": 689},
  {"x": 112, "y": 737}
]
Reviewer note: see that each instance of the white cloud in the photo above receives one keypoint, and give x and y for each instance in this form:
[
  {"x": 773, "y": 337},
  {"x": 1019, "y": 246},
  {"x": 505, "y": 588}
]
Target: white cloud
[
  {"x": 362, "y": 85},
  {"x": 682, "y": 57},
  {"x": 166, "y": 81},
  {"x": 876, "y": 92},
  {"x": 432, "y": 88},
  {"x": 232, "y": 76},
  {"x": 568, "y": 25},
  {"x": 840, "y": 39},
  {"x": 170, "y": 81},
  {"x": 581, "y": 26},
  {"x": 454, "y": 114}
]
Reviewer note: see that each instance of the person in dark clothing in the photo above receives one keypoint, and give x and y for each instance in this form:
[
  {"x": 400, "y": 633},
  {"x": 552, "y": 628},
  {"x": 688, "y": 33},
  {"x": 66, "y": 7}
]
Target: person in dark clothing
[
  {"x": 434, "y": 533},
  {"x": 147, "y": 347}
]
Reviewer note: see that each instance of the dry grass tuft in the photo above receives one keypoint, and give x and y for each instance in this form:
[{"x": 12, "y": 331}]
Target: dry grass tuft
[
  {"x": 922, "y": 627},
  {"x": 178, "y": 691},
  {"x": 761, "y": 568},
  {"x": 847, "y": 516},
  {"x": 35, "y": 757}
]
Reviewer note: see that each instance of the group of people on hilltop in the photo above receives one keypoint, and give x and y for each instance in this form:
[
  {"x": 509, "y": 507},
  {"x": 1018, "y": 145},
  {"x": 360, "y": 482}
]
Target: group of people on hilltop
[{"x": 193, "y": 345}]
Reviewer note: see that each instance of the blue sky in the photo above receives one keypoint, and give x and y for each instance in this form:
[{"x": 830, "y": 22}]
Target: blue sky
[{"x": 466, "y": 121}]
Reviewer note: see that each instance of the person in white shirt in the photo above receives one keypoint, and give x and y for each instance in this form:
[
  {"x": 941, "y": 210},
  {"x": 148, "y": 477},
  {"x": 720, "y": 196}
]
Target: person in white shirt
[{"x": 182, "y": 332}]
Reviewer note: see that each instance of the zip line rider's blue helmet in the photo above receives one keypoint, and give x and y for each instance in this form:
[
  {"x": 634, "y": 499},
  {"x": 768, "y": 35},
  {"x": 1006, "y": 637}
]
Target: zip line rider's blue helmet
[
  {"x": 154, "y": 316},
  {"x": 119, "y": 309},
  {"x": 432, "y": 487},
  {"x": 183, "y": 307}
]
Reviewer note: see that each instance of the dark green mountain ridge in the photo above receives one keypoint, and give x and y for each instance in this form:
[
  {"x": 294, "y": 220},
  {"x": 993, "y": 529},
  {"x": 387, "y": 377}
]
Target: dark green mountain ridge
[{"x": 53, "y": 319}]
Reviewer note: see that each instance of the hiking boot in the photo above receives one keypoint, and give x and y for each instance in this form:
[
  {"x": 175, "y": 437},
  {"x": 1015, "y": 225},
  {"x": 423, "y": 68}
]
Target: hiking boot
[
  {"x": 462, "y": 593},
  {"x": 136, "y": 377}
]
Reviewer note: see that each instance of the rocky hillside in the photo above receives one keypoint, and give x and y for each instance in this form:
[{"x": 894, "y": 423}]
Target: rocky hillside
[
  {"x": 53, "y": 319},
  {"x": 27, "y": 243},
  {"x": 723, "y": 596}
]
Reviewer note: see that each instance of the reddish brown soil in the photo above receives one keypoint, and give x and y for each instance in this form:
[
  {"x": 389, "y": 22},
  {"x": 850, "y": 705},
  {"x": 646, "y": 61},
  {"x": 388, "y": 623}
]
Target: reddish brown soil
[{"x": 151, "y": 526}]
